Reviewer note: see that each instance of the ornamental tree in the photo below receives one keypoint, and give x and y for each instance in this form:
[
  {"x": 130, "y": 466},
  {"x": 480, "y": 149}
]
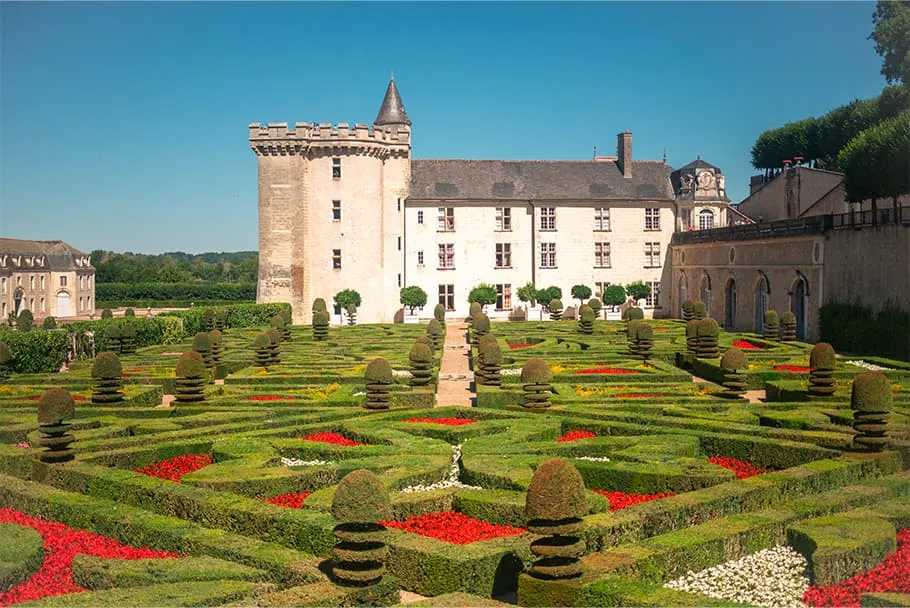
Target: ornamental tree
[
  {"x": 413, "y": 297},
  {"x": 639, "y": 290},
  {"x": 527, "y": 293},
  {"x": 545, "y": 296},
  {"x": 614, "y": 295},
  {"x": 347, "y": 299},
  {"x": 581, "y": 293},
  {"x": 483, "y": 294}
]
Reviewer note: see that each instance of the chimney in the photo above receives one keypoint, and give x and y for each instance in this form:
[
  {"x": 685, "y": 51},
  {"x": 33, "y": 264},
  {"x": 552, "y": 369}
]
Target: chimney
[{"x": 624, "y": 153}]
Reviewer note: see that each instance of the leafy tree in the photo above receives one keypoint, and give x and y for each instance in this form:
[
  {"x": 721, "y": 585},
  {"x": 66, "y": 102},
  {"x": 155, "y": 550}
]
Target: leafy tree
[
  {"x": 483, "y": 294},
  {"x": 614, "y": 295},
  {"x": 545, "y": 296},
  {"x": 413, "y": 297},
  {"x": 581, "y": 293},
  {"x": 347, "y": 298},
  {"x": 527, "y": 293},
  {"x": 638, "y": 290},
  {"x": 892, "y": 39},
  {"x": 876, "y": 161}
]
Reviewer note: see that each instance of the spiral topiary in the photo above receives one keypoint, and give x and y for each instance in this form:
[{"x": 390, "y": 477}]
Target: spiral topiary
[
  {"x": 490, "y": 355},
  {"x": 586, "y": 318},
  {"x": 692, "y": 335},
  {"x": 788, "y": 327},
  {"x": 359, "y": 504},
  {"x": 49, "y": 323},
  {"x": 596, "y": 305},
  {"x": 127, "y": 338},
  {"x": 421, "y": 359},
  {"x": 221, "y": 320},
  {"x": 707, "y": 333},
  {"x": 734, "y": 383},
  {"x": 55, "y": 406},
  {"x": 436, "y": 331},
  {"x": 772, "y": 326},
  {"x": 208, "y": 319},
  {"x": 699, "y": 310},
  {"x": 474, "y": 309},
  {"x": 822, "y": 361},
  {"x": 112, "y": 338},
  {"x": 6, "y": 356},
  {"x": 871, "y": 402},
  {"x": 425, "y": 339},
  {"x": 352, "y": 314},
  {"x": 439, "y": 313},
  {"x": 631, "y": 332},
  {"x": 319, "y": 305},
  {"x": 288, "y": 321},
  {"x": 644, "y": 340},
  {"x": 278, "y": 323},
  {"x": 379, "y": 379},
  {"x": 688, "y": 310},
  {"x": 191, "y": 378},
  {"x": 320, "y": 325},
  {"x": 263, "y": 346},
  {"x": 274, "y": 346},
  {"x": 217, "y": 346},
  {"x": 535, "y": 377},
  {"x": 107, "y": 314},
  {"x": 479, "y": 369},
  {"x": 107, "y": 373},
  {"x": 202, "y": 344},
  {"x": 555, "y": 308},
  {"x": 480, "y": 326},
  {"x": 554, "y": 506}
]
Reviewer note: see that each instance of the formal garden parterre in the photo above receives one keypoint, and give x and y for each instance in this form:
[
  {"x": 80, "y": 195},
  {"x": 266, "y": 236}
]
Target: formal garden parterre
[{"x": 657, "y": 490}]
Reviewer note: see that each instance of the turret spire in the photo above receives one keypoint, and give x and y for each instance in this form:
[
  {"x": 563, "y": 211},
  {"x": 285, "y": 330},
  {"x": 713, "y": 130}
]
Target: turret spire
[{"x": 392, "y": 110}]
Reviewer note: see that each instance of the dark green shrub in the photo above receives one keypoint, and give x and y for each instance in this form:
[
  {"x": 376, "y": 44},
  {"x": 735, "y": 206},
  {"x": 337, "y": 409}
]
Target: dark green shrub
[
  {"x": 6, "y": 356},
  {"x": 692, "y": 335},
  {"x": 352, "y": 314},
  {"x": 822, "y": 361},
  {"x": 129, "y": 312},
  {"x": 107, "y": 373},
  {"x": 555, "y": 505},
  {"x": 631, "y": 333},
  {"x": 857, "y": 329},
  {"x": 706, "y": 344},
  {"x": 359, "y": 504},
  {"x": 439, "y": 313},
  {"x": 25, "y": 321},
  {"x": 474, "y": 309},
  {"x": 555, "y": 308},
  {"x": 421, "y": 360},
  {"x": 107, "y": 314},
  {"x": 490, "y": 362},
  {"x": 535, "y": 377},
  {"x": 286, "y": 329},
  {"x": 274, "y": 346},
  {"x": 208, "y": 319},
  {"x": 202, "y": 344},
  {"x": 480, "y": 326},
  {"x": 221, "y": 317},
  {"x": 49, "y": 323},
  {"x": 425, "y": 339},
  {"x": 127, "y": 338},
  {"x": 788, "y": 327},
  {"x": 871, "y": 402},
  {"x": 278, "y": 323},
  {"x": 734, "y": 383},
  {"x": 263, "y": 346},
  {"x": 112, "y": 338},
  {"x": 217, "y": 346},
  {"x": 699, "y": 310},
  {"x": 479, "y": 369},
  {"x": 319, "y": 305},
  {"x": 633, "y": 313},
  {"x": 586, "y": 318},
  {"x": 436, "y": 331},
  {"x": 644, "y": 340},
  {"x": 191, "y": 378},
  {"x": 772, "y": 326},
  {"x": 379, "y": 379},
  {"x": 688, "y": 310},
  {"x": 36, "y": 352},
  {"x": 55, "y": 406},
  {"x": 596, "y": 305},
  {"x": 320, "y": 325}
]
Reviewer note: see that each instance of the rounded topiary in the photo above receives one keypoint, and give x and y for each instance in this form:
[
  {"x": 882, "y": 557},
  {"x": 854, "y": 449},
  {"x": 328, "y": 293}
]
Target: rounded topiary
[
  {"x": 772, "y": 327},
  {"x": 55, "y": 406},
  {"x": 129, "y": 312},
  {"x": 822, "y": 361},
  {"x": 596, "y": 305},
  {"x": 555, "y": 308},
  {"x": 421, "y": 359},
  {"x": 127, "y": 338},
  {"x": 692, "y": 335},
  {"x": 489, "y": 361},
  {"x": 202, "y": 344},
  {"x": 208, "y": 319},
  {"x": 359, "y": 504},
  {"x": 439, "y": 313},
  {"x": 688, "y": 310},
  {"x": 191, "y": 378},
  {"x": 536, "y": 376},
  {"x": 288, "y": 321},
  {"x": 706, "y": 343},
  {"x": 699, "y": 310},
  {"x": 49, "y": 323},
  {"x": 633, "y": 313},
  {"x": 320, "y": 325},
  {"x": 319, "y": 305},
  {"x": 107, "y": 373},
  {"x": 112, "y": 338},
  {"x": 788, "y": 327},
  {"x": 107, "y": 314},
  {"x": 734, "y": 383},
  {"x": 6, "y": 357},
  {"x": 644, "y": 340},
  {"x": 25, "y": 321},
  {"x": 217, "y": 346},
  {"x": 480, "y": 326},
  {"x": 871, "y": 402},
  {"x": 425, "y": 339},
  {"x": 436, "y": 331},
  {"x": 274, "y": 346},
  {"x": 379, "y": 379},
  {"x": 586, "y": 318},
  {"x": 474, "y": 309},
  {"x": 554, "y": 507},
  {"x": 263, "y": 346}
]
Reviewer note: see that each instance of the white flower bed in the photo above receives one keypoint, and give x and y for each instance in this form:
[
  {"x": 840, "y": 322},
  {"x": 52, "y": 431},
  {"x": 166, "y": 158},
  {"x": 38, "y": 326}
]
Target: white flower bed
[
  {"x": 775, "y": 578},
  {"x": 401, "y": 373},
  {"x": 872, "y": 367},
  {"x": 296, "y": 462},
  {"x": 593, "y": 458},
  {"x": 451, "y": 480},
  {"x": 510, "y": 372}
]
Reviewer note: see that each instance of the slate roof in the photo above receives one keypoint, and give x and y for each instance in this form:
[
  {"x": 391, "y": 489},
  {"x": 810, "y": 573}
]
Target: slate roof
[
  {"x": 699, "y": 164},
  {"x": 523, "y": 180},
  {"x": 59, "y": 255},
  {"x": 391, "y": 112}
]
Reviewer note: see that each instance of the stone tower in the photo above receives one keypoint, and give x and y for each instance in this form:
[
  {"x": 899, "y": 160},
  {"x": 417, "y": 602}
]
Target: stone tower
[{"x": 331, "y": 210}]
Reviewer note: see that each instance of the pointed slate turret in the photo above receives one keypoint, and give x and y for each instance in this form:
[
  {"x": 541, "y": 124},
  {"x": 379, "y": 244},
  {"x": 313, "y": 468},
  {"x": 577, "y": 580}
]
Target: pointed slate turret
[{"x": 392, "y": 110}]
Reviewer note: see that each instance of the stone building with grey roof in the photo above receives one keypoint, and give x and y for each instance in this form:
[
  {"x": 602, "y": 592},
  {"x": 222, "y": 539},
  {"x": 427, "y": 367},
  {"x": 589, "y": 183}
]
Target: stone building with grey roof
[
  {"x": 49, "y": 278},
  {"x": 345, "y": 206}
]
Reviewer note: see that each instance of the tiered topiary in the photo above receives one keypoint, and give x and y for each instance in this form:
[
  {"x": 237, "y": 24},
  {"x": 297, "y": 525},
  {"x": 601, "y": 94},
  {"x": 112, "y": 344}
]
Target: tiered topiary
[
  {"x": 555, "y": 308},
  {"x": 278, "y": 323},
  {"x": 191, "y": 378},
  {"x": 25, "y": 321},
  {"x": 699, "y": 310},
  {"x": 127, "y": 339},
  {"x": 480, "y": 326},
  {"x": 734, "y": 382},
  {"x": 479, "y": 377},
  {"x": 490, "y": 355},
  {"x": 352, "y": 314},
  {"x": 554, "y": 507},
  {"x": 421, "y": 359},
  {"x": 6, "y": 356},
  {"x": 425, "y": 339},
  {"x": 706, "y": 344},
  {"x": 688, "y": 310},
  {"x": 202, "y": 344},
  {"x": 319, "y": 305},
  {"x": 772, "y": 326},
  {"x": 107, "y": 314},
  {"x": 107, "y": 374},
  {"x": 208, "y": 319},
  {"x": 56, "y": 406},
  {"x": 436, "y": 331},
  {"x": 360, "y": 503},
  {"x": 692, "y": 335},
  {"x": 379, "y": 379},
  {"x": 788, "y": 327},
  {"x": 129, "y": 312},
  {"x": 49, "y": 323},
  {"x": 644, "y": 340},
  {"x": 474, "y": 309},
  {"x": 586, "y": 318},
  {"x": 821, "y": 375},
  {"x": 439, "y": 313},
  {"x": 536, "y": 376},
  {"x": 871, "y": 403},
  {"x": 274, "y": 346},
  {"x": 221, "y": 318},
  {"x": 263, "y": 345},
  {"x": 320, "y": 325},
  {"x": 112, "y": 338},
  {"x": 288, "y": 321},
  {"x": 217, "y": 346},
  {"x": 596, "y": 305}
]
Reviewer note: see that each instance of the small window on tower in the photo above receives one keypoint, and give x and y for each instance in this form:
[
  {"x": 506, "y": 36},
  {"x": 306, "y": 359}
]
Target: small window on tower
[
  {"x": 336, "y": 259},
  {"x": 420, "y": 216},
  {"x": 336, "y": 168},
  {"x": 336, "y": 211}
]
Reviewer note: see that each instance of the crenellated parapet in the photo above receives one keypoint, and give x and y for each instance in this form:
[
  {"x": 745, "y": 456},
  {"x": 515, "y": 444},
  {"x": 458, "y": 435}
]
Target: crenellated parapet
[{"x": 325, "y": 139}]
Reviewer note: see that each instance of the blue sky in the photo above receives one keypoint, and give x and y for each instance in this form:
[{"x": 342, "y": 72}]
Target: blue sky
[{"x": 123, "y": 126}]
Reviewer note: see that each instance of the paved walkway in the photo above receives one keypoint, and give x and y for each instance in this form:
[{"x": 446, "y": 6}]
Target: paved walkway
[
  {"x": 753, "y": 396},
  {"x": 455, "y": 376}
]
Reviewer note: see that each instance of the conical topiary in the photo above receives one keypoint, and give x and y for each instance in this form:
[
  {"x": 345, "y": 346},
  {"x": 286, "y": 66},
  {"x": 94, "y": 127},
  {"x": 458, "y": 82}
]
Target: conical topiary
[
  {"x": 692, "y": 335},
  {"x": 734, "y": 382},
  {"x": 821, "y": 375},
  {"x": 596, "y": 305},
  {"x": 871, "y": 402},
  {"x": 480, "y": 326},
  {"x": 436, "y": 331},
  {"x": 278, "y": 323},
  {"x": 320, "y": 325},
  {"x": 221, "y": 320},
  {"x": 772, "y": 327},
  {"x": 554, "y": 507},
  {"x": 263, "y": 345},
  {"x": 56, "y": 406},
  {"x": 699, "y": 310},
  {"x": 439, "y": 313},
  {"x": 359, "y": 504},
  {"x": 208, "y": 319},
  {"x": 274, "y": 346},
  {"x": 644, "y": 340},
  {"x": 217, "y": 346},
  {"x": 631, "y": 332},
  {"x": 107, "y": 374},
  {"x": 6, "y": 358},
  {"x": 555, "y": 308},
  {"x": 379, "y": 379},
  {"x": 421, "y": 359},
  {"x": 788, "y": 327},
  {"x": 191, "y": 378},
  {"x": 112, "y": 338},
  {"x": 535, "y": 377},
  {"x": 479, "y": 369},
  {"x": 586, "y": 318},
  {"x": 474, "y": 309},
  {"x": 288, "y": 321},
  {"x": 708, "y": 331},
  {"x": 202, "y": 344},
  {"x": 127, "y": 338},
  {"x": 490, "y": 355},
  {"x": 688, "y": 310}
]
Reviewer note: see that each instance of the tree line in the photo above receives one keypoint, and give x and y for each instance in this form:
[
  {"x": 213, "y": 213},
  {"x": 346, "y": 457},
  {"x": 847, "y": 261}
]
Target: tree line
[{"x": 175, "y": 267}]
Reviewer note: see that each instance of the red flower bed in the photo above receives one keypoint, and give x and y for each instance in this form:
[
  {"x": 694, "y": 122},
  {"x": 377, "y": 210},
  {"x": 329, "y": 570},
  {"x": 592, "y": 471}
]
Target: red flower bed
[
  {"x": 742, "y": 468},
  {"x": 61, "y": 543},
  {"x": 176, "y": 467},
  {"x": 523, "y": 345},
  {"x": 621, "y": 500},
  {"x": 638, "y": 395},
  {"x": 334, "y": 438},
  {"x": 445, "y": 421},
  {"x": 292, "y": 501},
  {"x": 267, "y": 397},
  {"x": 791, "y": 368},
  {"x": 605, "y": 370},
  {"x": 575, "y": 436},
  {"x": 453, "y": 527},
  {"x": 746, "y": 345},
  {"x": 135, "y": 371},
  {"x": 892, "y": 575}
]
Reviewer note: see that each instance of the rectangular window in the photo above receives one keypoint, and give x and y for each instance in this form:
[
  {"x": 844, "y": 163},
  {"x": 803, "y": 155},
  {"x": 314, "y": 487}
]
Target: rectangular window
[
  {"x": 3, "y": 285},
  {"x": 548, "y": 255},
  {"x": 31, "y": 282},
  {"x": 652, "y": 255},
  {"x": 399, "y": 279},
  {"x": 399, "y": 205},
  {"x": 62, "y": 281},
  {"x": 503, "y": 255},
  {"x": 548, "y": 218},
  {"x": 602, "y": 219},
  {"x": 504, "y": 297},
  {"x": 503, "y": 219},
  {"x": 652, "y": 219},
  {"x": 399, "y": 243},
  {"x": 420, "y": 216},
  {"x": 336, "y": 211},
  {"x": 447, "y": 256},
  {"x": 336, "y": 168},
  {"x": 336, "y": 259},
  {"x": 601, "y": 255},
  {"x": 445, "y": 222},
  {"x": 420, "y": 258},
  {"x": 43, "y": 305},
  {"x": 652, "y": 300},
  {"x": 447, "y": 296},
  {"x": 599, "y": 288}
]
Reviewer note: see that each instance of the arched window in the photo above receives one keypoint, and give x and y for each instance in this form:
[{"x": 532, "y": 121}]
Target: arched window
[
  {"x": 730, "y": 305},
  {"x": 705, "y": 219},
  {"x": 762, "y": 293},
  {"x": 683, "y": 294},
  {"x": 706, "y": 294},
  {"x": 798, "y": 296}
]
